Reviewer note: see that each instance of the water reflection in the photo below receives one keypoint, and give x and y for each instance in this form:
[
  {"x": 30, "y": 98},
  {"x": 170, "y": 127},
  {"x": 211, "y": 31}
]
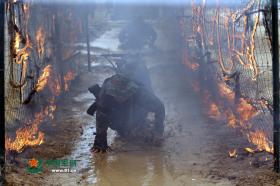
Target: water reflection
[{"x": 137, "y": 166}]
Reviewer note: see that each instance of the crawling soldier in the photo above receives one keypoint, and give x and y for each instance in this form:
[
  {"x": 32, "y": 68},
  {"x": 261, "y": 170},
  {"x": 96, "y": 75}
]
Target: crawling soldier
[{"x": 124, "y": 105}]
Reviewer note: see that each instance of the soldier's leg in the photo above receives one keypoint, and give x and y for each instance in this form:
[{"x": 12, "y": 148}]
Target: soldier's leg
[
  {"x": 100, "y": 141},
  {"x": 158, "y": 108},
  {"x": 153, "y": 104}
]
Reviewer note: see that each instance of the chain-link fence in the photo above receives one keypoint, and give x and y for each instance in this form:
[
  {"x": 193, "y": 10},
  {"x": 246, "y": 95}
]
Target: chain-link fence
[
  {"x": 39, "y": 66},
  {"x": 231, "y": 54},
  {"x": 228, "y": 48}
]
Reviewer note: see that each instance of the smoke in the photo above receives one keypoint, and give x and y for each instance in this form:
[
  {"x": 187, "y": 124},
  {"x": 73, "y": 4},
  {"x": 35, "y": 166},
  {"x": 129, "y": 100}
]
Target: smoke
[{"x": 137, "y": 2}]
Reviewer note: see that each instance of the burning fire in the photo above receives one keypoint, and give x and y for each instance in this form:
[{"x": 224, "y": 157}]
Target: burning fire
[
  {"x": 23, "y": 53},
  {"x": 21, "y": 44},
  {"x": 246, "y": 110},
  {"x": 232, "y": 121},
  {"x": 40, "y": 38},
  {"x": 30, "y": 135},
  {"x": 191, "y": 65},
  {"x": 43, "y": 79},
  {"x": 67, "y": 78},
  {"x": 249, "y": 150},
  {"x": 240, "y": 113},
  {"x": 260, "y": 139},
  {"x": 51, "y": 108},
  {"x": 226, "y": 92},
  {"x": 55, "y": 85},
  {"x": 214, "y": 112},
  {"x": 17, "y": 40},
  {"x": 233, "y": 153}
]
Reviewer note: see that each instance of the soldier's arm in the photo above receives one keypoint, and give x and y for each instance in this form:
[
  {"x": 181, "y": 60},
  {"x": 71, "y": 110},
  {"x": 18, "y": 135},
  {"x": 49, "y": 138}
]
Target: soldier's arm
[{"x": 91, "y": 110}]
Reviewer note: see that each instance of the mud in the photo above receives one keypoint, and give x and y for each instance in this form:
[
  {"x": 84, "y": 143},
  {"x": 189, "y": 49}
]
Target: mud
[{"x": 194, "y": 150}]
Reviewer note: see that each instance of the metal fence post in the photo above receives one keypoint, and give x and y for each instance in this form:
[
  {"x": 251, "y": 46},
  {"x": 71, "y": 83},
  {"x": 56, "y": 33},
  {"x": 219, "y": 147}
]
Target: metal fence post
[
  {"x": 275, "y": 69},
  {"x": 2, "y": 58},
  {"x": 2, "y": 89},
  {"x": 88, "y": 40}
]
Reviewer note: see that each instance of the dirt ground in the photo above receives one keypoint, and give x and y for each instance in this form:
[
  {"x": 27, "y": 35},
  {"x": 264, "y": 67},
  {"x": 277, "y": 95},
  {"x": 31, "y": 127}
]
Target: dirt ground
[{"x": 194, "y": 151}]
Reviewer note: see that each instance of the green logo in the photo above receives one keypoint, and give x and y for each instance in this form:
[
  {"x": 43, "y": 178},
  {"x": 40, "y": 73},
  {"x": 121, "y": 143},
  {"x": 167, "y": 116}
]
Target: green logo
[
  {"x": 56, "y": 165},
  {"x": 34, "y": 166}
]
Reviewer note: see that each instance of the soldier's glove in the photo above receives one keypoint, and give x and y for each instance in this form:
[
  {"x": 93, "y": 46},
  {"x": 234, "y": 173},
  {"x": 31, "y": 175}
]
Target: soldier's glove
[
  {"x": 91, "y": 110},
  {"x": 95, "y": 89}
]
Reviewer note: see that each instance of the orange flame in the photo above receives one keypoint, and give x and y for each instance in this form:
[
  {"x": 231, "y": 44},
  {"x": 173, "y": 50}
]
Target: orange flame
[
  {"x": 40, "y": 38},
  {"x": 23, "y": 53},
  {"x": 226, "y": 92},
  {"x": 51, "y": 108},
  {"x": 249, "y": 150},
  {"x": 186, "y": 60},
  {"x": 55, "y": 85},
  {"x": 214, "y": 112},
  {"x": 232, "y": 121},
  {"x": 17, "y": 40},
  {"x": 67, "y": 78},
  {"x": 238, "y": 115},
  {"x": 30, "y": 136},
  {"x": 260, "y": 139},
  {"x": 43, "y": 79},
  {"x": 246, "y": 110},
  {"x": 233, "y": 153}
]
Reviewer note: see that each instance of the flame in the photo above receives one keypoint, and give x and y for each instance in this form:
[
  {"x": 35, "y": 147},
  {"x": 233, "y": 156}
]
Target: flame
[
  {"x": 23, "y": 53},
  {"x": 67, "y": 78},
  {"x": 246, "y": 110},
  {"x": 226, "y": 30},
  {"x": 232, "y": 120},
  {"x": 28, "y": 136},
  {"x": 214, "y": 112},
  {"x": 43, "y": 79},
  {"x": 260, "y": 139},
  {"x": 213, "y": 109},
  {"x": 51, "y": 108},
  {"x": 249, "y": 150},
  {"x": 233, "y": 153},
  {"x": 17, "y": 40},
  {"x": 193, "y": 66},
  {"x": 226, "y": 92},
  {"x": 55, "y": 85},
  {"x": 40, "y": 39},
  {"x": 186, "y": 60},
  {"x": 31, "y": 136},
  {"x": 25, "y": 7}
]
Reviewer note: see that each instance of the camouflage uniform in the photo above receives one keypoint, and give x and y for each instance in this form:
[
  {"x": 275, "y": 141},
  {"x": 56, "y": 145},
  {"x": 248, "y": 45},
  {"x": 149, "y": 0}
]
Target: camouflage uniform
[{"x": 122, "y": 105}]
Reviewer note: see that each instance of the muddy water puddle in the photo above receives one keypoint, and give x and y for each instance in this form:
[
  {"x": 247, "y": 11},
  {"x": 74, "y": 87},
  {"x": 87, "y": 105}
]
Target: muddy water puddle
[
  {"x": 128, "y": 163},
  {"x": 176, "y": 162}
]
